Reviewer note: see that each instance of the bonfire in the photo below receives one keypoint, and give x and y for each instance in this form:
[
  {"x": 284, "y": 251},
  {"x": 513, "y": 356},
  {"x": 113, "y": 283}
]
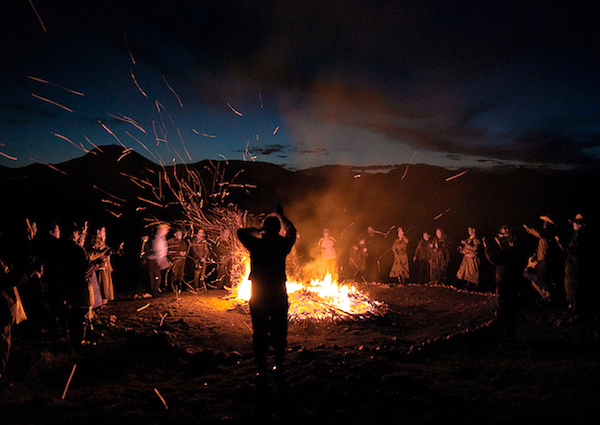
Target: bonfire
[{"x": 321, "y": 299}]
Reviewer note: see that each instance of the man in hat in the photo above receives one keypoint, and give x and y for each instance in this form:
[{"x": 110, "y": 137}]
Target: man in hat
[
  {"x": 577, "y": 263},
  {"x": 545, "y": 276},
  {"x": 269, "y": 302}
]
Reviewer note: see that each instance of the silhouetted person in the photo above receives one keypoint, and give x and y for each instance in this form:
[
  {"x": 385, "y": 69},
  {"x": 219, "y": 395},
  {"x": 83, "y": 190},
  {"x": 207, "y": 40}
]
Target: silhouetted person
[
  {"x": 577, "y": 264},
  {"x": 502, "y": 252},
  {"x": 269, "y": 302},
  {"x": 422, "y": 257}
]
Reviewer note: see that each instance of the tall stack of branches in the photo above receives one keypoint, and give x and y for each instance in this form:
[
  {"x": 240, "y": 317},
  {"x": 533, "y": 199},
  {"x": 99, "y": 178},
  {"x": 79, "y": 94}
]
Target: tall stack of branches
[{"x": 205, "y": 205}]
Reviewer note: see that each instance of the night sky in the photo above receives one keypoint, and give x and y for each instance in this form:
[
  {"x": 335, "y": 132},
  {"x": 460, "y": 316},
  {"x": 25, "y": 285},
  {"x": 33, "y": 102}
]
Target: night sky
[{"x": 302, "y": 83}]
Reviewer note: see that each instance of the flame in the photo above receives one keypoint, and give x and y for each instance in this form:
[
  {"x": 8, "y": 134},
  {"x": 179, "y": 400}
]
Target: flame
[{"x": 321, "y": 299}]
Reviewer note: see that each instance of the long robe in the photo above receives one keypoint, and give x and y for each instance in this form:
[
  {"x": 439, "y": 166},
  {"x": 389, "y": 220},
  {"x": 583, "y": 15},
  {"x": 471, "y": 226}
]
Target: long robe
[
  {"x": 469, "y": 267},
  {"x": 400, "y": 265}
]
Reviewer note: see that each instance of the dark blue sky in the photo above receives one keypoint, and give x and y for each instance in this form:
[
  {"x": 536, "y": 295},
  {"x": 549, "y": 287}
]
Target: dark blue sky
[{"x": 302, "y": 84}]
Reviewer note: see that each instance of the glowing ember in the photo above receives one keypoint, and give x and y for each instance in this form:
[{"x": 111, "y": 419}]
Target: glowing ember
[{"x": 321, "y": 299}]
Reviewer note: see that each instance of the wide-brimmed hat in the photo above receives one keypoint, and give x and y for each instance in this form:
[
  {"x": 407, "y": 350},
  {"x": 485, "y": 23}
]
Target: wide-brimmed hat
[{"x": 547, "y": 220}]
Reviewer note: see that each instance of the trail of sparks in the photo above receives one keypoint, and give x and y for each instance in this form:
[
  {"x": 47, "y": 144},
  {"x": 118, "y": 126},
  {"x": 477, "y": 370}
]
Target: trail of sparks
[
  {"x": 129, "y": 50},
  {"x": 161, "y": 398},
  {"x": 38, "y": 15},
  {"x": 60, "y": 136},
  {"x": 173, "y": 91},
  {"x": 8, "y": 156},
  {"x": 409, "y": 162},
  {"x": 143, "y": 145},
  {"x": 64, "y": 394},
  {"x": 458, "y": 175},
  {"x": 150, "y": 202},
  {"x": 183, "y": 143},
  {"x": 90, "y": 142},
  {"x": 234, "y": 111},
  {"x": 49, "y": 165},
  {"x": 125, "y": 153},
  {"x": 112, "y": 134},
  {"x": 129, "y": 121},
  {"x": 212, "y": 136},
  {"x": 108, "y": 194},
  {"x": 51, "y": 102},
  {"x": 260, "y": 97},
  {"x": 276, "y": 130},
  {"x": 439, "y": 215},
  {"x": 31, "y": 77},
  {"x": 137, "y": 85}
]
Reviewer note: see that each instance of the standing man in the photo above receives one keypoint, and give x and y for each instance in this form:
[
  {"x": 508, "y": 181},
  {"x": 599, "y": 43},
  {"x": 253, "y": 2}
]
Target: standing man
[
  {"x": 199, "y": 252},
  {"x": 269, "y": 302},
  {"x": 178, "y": 250},
  {"x": 327, "y": 246}
]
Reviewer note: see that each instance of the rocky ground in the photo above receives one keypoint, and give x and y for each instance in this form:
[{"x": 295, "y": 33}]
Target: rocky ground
[{"x": 431, "y": 358}]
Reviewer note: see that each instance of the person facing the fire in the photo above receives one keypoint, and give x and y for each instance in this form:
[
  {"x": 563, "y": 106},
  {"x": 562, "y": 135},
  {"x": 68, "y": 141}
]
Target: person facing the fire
[
  {"x": 269, "y": 302},
  {"x": 327, "y": 247},
  {"x": 178, "y": 250}
]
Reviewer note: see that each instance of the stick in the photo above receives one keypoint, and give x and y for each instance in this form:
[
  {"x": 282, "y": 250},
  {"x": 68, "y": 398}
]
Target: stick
[{"x": 69, "y": 382}]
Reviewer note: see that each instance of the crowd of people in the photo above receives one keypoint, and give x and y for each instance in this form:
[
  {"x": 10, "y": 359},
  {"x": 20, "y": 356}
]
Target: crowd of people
[
  {"x": 560, "y": 271},
  {"x": 57, "y": 278},
  {"x": 66, "y": 276}
]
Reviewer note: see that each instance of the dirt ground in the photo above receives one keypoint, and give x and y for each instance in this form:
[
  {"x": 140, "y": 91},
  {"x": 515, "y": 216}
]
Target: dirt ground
[{"x": 432, "y": 358}]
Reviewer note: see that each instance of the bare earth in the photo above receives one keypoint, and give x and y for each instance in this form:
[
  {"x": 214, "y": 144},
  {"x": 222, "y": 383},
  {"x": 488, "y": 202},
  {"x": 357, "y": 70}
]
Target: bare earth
[{"x": 432, "y": 358}]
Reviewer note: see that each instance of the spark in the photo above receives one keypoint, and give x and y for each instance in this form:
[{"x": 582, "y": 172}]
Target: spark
[
  {"x": 183, "y": 143},
  {"x": 173, "y": 91},
  {"x": 212, "y": 136},
  {"x": 409, "y": 162},
  {"x": 143, "y": 307},
  {"x": 350, "y": 225},
  {"x": 162, "y": 319},
  {"x": 223, "y": 156},
  {"x": 108, "y": 201},
  {"x": 114, "y": 213},
  {"x": 136, "y": 84},
  {"x": 38, "y": 15},
  {"x": 55, "y": 85},
  {"x": 108, "y": 194},
  {"x": 158, "y": 106},
  {"x": 276, "y": 129},
  {"x": 111, "y": 133},
  {"x": 143, "y": 145},
  {"x": 49, "y": 165},
  {"x": 64, "y": 394},
  {"x": 150, "y": 202},
  {"x": 128, "y": 120},
  {"x": 125, "y": 153},
  {"x": 60, "y": 136},
  {"x": 129, "y": 50},
  {"x": 161, "y": 398},
  {"x": 90, "y": 142},
  {"x": 458, "y": 175},
  {"x": 439, "y": 215},
  {"x": 51, "y": 102},
  {"x": 236, "y": 112},
  {"x": 8, "y": 156},
  {"x": 357, "y": 176}
]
